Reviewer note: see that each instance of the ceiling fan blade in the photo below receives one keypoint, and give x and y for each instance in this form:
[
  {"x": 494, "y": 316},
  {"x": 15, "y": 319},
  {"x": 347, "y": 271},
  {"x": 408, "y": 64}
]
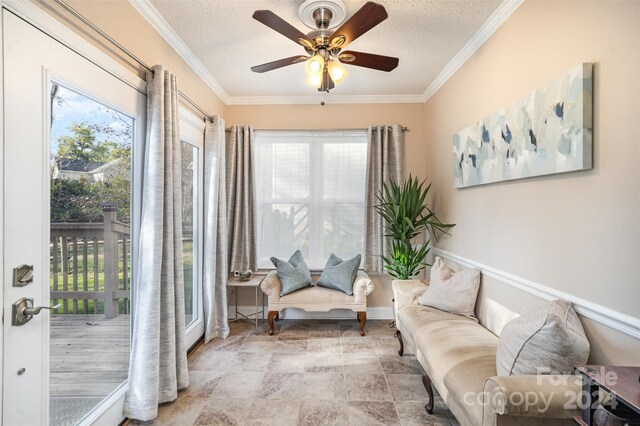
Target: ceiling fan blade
[
  {"x": 369, "y": 15},
  {"x": 279, "y": 63},
  {"x": 278, "y": 24},
  {"x": 369, "y": 60},
  {"x": 327, "y": 82}
]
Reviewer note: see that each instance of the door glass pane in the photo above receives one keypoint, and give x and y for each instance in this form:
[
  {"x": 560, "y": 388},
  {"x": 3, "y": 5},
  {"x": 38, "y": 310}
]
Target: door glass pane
[
  {"x": 90, "y": 252},
  {"x": 189, "y": 229}
]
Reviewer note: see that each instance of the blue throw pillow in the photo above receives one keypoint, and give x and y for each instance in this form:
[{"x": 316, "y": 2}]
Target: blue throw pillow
[
  {"x": 294, "y": 274},
  {"x": 340, "y": 274}
]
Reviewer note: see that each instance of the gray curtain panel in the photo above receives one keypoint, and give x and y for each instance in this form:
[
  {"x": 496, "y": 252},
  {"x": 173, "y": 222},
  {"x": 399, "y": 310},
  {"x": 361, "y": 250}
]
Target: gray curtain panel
[
  {"x": 215, "y": 232},
  {"x": 158, "y": 360},
  {"x": 385, "y": 161},
  {"x": 241, "y": 199}
]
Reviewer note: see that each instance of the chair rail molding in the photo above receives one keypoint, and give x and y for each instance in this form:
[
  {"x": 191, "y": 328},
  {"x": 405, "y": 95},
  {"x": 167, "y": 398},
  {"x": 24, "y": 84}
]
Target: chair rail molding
[{"x": 608, "y": 317}]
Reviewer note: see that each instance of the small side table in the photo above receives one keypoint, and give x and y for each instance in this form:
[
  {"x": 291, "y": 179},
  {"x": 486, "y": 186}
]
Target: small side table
[
  {"x": 621, "y": 382},
  {"x": 252, "y": 282}
]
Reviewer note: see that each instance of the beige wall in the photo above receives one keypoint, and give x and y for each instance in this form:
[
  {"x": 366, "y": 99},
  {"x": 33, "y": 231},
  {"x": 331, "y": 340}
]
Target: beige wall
[
  {"x": 341, "y": 116},
  {"x": 121, "y": 21},
  {"x": 578, "y": 232}
]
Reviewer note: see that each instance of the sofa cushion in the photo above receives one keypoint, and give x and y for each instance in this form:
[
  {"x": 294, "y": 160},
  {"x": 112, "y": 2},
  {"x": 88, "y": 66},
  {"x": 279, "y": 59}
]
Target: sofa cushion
[
  {"x": 452, "y": 291},
  {"x": 548, "y": 339},
  {"x": 339, "y": 274},
  {"x": 458, "y": 354},
  {"x": 294, "y": 274},
  {"x": 317, "y": 295}
]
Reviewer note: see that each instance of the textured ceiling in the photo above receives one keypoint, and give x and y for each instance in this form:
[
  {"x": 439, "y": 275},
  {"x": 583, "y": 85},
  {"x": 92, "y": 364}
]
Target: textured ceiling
[{"x": 424, "y": 34}]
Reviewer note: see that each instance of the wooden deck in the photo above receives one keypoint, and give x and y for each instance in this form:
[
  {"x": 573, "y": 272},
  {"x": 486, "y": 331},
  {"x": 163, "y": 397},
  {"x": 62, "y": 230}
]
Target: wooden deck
[{"x": 89, "y": 358}]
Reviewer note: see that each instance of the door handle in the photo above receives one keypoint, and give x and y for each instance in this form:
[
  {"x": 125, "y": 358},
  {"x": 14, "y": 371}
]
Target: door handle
[{"x": 23, "y": 311}]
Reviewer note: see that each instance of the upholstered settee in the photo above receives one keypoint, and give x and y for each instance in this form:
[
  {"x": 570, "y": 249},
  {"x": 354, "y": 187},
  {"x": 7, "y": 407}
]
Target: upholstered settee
[
  {"x": 459, "y": 357},
  {"x": 317, "y": 299}
]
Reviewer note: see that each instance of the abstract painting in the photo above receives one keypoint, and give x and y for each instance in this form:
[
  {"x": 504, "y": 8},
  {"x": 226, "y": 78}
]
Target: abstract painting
[{"x": 549, "y": 131}]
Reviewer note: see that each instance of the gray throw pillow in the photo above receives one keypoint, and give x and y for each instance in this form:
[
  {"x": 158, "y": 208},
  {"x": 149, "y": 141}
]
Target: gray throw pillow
[
  {"x": 294, "y": 274},
  {"x": 339, "y": 274},
  {"x": 549, "y": 339}
]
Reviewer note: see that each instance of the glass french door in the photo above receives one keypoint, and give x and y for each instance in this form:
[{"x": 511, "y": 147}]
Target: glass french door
[{"x": 70, "y": 172}]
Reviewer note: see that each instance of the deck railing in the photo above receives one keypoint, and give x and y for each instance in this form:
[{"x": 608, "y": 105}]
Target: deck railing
[{"x": 90, "y": 265}]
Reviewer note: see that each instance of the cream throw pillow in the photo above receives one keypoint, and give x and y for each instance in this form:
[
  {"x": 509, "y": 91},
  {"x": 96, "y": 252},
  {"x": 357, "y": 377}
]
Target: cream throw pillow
[
  {"x": 451, "y": 291},
  {"x": 548, "y": 340}
]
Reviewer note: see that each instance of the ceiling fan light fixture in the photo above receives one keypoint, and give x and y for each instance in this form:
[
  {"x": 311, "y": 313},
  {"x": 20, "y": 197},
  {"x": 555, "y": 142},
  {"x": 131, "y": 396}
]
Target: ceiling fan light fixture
[
  {"x": 314, "y": 79},
  {"x": 315, "y": 64},
  {"x": 336, "y": 71}
]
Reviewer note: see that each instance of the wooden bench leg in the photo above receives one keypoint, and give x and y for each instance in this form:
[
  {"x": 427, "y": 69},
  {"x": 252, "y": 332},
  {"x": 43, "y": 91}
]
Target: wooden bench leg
[
  {"x": 270, "y": 317},
  {"x": 362, "y": 319},
  {"x": 398, "y": 336},
  {"x": 426, "y": 381}
]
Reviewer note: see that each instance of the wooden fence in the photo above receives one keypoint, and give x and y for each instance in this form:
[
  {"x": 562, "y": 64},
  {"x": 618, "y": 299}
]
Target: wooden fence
[{"x": 90, "y": 262}]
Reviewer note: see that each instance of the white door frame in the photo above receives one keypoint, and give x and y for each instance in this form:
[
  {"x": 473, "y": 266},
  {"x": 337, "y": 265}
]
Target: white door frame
[
  {"x": 112, "y": 406},
  {"x": 192, "y": 132}
]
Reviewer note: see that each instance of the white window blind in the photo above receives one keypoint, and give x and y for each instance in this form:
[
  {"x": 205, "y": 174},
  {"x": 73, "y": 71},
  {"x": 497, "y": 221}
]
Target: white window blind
[{"x": 310, "y": 189}]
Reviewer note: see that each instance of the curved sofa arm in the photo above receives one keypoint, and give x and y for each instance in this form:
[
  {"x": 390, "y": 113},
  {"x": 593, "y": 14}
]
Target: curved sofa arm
[
  {"x": 271, "y": 286},
  {"x": 549, "y": 396},
  {"x": 362, "y": 287},
  {"x": 407, "y": 292}
]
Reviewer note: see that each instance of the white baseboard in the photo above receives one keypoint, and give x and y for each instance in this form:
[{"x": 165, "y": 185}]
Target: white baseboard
[
  {"x": 373, "y": 313},
  {"x": 606, "y": 316}
]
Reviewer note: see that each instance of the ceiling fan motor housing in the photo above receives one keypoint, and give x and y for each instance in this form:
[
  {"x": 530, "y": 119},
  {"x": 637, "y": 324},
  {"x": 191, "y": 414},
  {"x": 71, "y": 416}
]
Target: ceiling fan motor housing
[{"x": 322, "y": 14}]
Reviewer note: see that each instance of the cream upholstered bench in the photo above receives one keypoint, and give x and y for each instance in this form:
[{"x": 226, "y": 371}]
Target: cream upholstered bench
[{"x": 317, "y": 299}]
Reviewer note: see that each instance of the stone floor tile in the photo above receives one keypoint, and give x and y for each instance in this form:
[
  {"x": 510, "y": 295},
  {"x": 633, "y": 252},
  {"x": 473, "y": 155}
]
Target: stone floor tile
[
  {"x": 239, "y": 385},
  {"x": 394, "y": 364},
  {"x": 287, "y": 363},
  {"x": 285, "y": 386},
  {"x": 367, "y": 387},
  {"x": 361, "y": 363},
  {"x": 251, "y": 361},
  {"x": 201, "y": 383},
  {"x": 183, "y": 411},
  {"x": 324, "y": 386},
  {"x": 291, "y": 344},
  {"x": 357, "y": 344},
  {"x": 407, "y": 387},
  {"x": 372, "y": 413},
  {"x": 223, "y": 412},
  {"x": 211, "y": 360},
  {"x": 268, "y": 412},
  {"x": 328, "y": 412},
  {"x": 330, "y": 344},
  {"x": 412, "y": 413},
  {"x": 259, "y": 344},
  {"x": 386, "y": 345},
  {"x": 323, "y": 363}
]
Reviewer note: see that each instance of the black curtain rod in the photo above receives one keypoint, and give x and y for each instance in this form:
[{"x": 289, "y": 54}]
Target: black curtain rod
[{"x": 124, "y": 50}]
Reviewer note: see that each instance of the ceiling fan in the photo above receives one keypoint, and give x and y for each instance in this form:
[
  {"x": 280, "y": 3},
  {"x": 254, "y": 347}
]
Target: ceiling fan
[{"x": 323, "y": 46}]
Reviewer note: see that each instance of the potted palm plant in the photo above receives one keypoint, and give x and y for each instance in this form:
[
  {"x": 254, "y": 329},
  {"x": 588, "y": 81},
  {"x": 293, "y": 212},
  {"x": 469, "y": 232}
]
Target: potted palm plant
[{"x": 406, "y": 215}]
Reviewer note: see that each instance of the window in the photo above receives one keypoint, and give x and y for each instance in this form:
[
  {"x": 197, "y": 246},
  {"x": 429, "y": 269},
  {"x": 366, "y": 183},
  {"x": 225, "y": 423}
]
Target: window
[{"x": 310, "y": 189}]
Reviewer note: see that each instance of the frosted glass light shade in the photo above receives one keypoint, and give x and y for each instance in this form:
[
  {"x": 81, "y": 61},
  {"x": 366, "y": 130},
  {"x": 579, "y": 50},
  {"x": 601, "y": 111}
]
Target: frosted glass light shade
[{"x": 337, "y": 71}]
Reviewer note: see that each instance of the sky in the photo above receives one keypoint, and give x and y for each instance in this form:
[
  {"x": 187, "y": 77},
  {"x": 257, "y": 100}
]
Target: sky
[{"x": 71, "y": 107}]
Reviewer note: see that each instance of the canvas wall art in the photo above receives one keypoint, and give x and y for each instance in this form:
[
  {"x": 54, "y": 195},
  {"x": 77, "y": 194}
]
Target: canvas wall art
[{"x": 549, "y": 131}]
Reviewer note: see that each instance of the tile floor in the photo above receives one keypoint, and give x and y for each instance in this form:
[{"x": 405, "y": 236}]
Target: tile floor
[{"x": 311, "y": 372}]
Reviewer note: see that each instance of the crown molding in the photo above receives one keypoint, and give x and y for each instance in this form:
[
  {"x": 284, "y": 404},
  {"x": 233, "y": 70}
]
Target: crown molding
[
  {"x": 327, "y": 98},
  {"x": 151, "y": 14},
  {"x": 496, "y": 19},
  {"x": 601, "y": 314}
]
